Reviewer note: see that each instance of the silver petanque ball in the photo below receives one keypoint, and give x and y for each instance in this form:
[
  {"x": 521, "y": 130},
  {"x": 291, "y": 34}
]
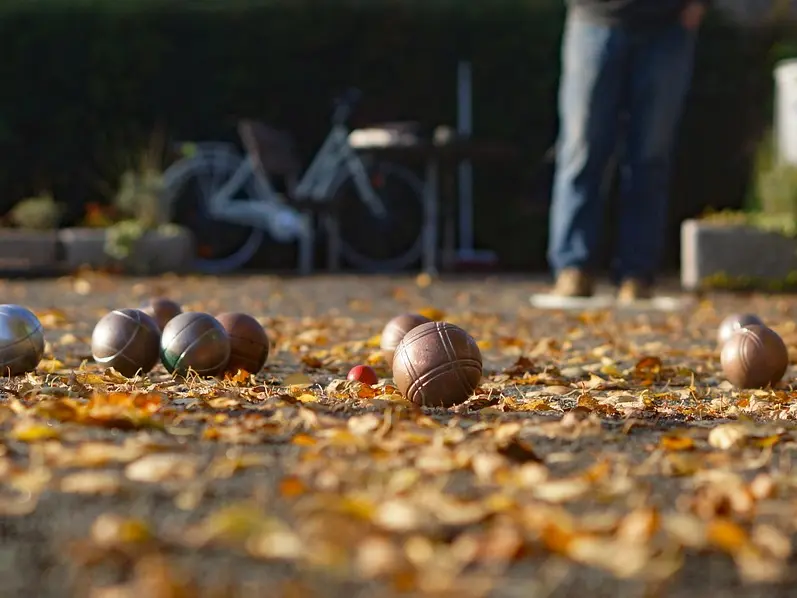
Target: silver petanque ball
[{"x": 21, "y": 340}]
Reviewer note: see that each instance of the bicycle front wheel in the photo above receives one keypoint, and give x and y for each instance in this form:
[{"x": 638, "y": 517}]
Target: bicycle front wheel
[
  {"x": 221, "y": 247},
  {"x": 388, "y": 242}
]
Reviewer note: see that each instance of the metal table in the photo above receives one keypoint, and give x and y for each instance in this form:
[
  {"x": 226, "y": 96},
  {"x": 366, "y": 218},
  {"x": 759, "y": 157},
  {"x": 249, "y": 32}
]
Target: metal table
[{"x": 438, "y": 158}]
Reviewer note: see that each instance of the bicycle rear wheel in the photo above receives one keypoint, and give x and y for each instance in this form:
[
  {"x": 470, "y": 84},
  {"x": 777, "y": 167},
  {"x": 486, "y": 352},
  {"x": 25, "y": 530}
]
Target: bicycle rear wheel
[
  {"x": 374, "y": 243},
  {"x": 221, "y": 247}
]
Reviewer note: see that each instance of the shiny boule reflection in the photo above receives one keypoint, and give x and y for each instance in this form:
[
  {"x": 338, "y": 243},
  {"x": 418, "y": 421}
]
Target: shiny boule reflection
[{"x": 21, "y": 340}]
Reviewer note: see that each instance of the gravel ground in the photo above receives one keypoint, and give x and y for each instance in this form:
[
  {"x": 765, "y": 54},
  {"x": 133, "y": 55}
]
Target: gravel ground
[{"x": 50, "y": 551}]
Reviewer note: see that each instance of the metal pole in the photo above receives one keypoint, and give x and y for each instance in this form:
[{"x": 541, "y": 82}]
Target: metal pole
[{"x": 465, "y": 168}]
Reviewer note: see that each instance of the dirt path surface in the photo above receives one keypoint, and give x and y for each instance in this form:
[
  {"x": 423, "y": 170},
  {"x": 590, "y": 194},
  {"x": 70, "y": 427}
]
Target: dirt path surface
[{"x": 603, "y": 454}]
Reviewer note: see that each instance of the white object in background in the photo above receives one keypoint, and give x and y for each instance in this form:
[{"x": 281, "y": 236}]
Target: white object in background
[
  {"x": 609, "y": 302},
  {"x": 786, "y": 110}
]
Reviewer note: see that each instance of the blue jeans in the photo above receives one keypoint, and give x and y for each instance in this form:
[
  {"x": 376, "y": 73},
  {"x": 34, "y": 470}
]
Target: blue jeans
[{"x": 608, "y": 72}]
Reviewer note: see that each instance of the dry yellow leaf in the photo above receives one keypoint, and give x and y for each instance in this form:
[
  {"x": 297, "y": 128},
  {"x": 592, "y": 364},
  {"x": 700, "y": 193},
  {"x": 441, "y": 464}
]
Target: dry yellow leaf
[
  {"x": 765, "y": 442},
  {"x": 727, "y": 535},
  {"x": 51, "y": 365},
  {"x": 677, "y": 442},
  {"x": 374, "y": 341},
  {"x": 114, "y": 530},
  {"x": 240, "y": 377},
  {"x": 432, "y": 313},
  {"x": 90, "y": 378},
  {"x": 291, "y": 487},
  {"x": 375, "y": 359},
  {"x": 233, "y": 523},
  {"x": 304, "y": 440},
  {"x": 612, "y": 370},
  {"x": 33, "y": 431},
  {"x": 52, "y": 318}
]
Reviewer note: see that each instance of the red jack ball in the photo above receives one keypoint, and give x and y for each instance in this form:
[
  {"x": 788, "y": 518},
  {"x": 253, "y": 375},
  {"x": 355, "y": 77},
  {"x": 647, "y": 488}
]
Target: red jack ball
[{"x": 364, "y": 374}]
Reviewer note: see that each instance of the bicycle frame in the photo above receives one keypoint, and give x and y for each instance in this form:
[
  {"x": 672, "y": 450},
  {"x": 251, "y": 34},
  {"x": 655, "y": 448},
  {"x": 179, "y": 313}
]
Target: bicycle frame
[
  {"x": 335, "y": 160},
  {"x": 265, "y": 211},
  {"x": 323, "y": 176}
]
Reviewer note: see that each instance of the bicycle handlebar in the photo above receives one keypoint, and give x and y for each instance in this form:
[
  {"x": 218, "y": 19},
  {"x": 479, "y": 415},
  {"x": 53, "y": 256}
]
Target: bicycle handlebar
[{"x": 345, "y": 103}]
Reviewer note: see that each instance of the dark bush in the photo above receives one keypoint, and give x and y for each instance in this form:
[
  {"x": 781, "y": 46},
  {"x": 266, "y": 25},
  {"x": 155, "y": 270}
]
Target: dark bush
[{"x": 85, "y": 84}]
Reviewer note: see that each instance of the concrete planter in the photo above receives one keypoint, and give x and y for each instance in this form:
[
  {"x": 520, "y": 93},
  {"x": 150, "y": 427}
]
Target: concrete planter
[
  {"x": 155, "y": 252},
  {"x": 739, "y": 255},
  {"x": 28, "y": 251}
]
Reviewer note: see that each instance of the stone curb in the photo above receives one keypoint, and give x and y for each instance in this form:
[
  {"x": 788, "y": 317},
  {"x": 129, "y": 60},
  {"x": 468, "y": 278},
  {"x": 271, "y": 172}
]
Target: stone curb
[
  {"x": 52, "y": 253},
  {"x": 737, "y": 252}
]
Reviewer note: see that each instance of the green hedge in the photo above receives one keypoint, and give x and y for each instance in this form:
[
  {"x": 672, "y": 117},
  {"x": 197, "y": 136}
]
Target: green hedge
[{"x": 86, "y": 82}]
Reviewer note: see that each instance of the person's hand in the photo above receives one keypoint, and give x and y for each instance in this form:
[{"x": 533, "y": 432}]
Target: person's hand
[{"x": 692, "y": 15}]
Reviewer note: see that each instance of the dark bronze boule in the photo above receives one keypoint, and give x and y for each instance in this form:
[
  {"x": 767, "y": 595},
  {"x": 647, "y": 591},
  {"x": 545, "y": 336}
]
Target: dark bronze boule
[
  {"x": 754, "y": 357},
  {"x": 437, "y": 364},
  {"x": 249, "y": 344},
  {"x": 126, "y": 340},
  {"x": 395, "y": 330},
  {"x": 195, "y": 341},
  {"x": 162, "y": 310}
]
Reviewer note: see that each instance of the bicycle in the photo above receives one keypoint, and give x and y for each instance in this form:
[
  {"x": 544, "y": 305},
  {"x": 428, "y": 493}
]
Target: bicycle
[{"x": 231, "y": 204}]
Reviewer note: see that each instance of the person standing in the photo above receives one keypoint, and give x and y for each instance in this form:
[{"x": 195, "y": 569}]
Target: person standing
[{"x": 630, "y": 58}]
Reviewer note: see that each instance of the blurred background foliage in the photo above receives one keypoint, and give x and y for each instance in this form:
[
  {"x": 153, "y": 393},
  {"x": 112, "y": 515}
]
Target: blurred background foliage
[{"x": 86, "y": 82}]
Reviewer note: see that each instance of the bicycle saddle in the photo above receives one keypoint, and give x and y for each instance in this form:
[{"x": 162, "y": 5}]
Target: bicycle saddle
[{"x": 273, "y": 150}]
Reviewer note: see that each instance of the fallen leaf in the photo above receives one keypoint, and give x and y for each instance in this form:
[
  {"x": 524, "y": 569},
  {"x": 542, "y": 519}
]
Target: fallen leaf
[
  {"x": 307, "y": 398},
  {"x": 112, "y": 530},
  {"x": 561, "y": 491},
  {"x": 399, "y": 516},
  {"x": 52, "y": 318},
  {"x": 162, "y": 467},
  {"x": 522, "y": 366},
  {"x": 727, "y": 436},
  {"x": 677, "y": 442},
  {"x": 239, "y": 377},
  {"x": 432, "y": 313},
  {"x": 32, "y": 431},
  {"x": 727, "y": 535},
  {"x": 304, "y": 440},
  {"x": 51, "y": 366},
  {"x": 291, "y": 487},
  {"x": 648, "y": 368},
  {"x": 91, "y": 482}
]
